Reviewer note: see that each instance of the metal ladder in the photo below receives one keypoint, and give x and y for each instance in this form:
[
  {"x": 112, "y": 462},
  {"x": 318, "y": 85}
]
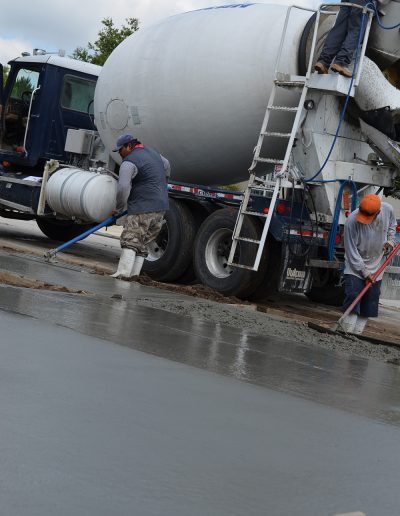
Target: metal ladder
[{"x": 272, "y": 187}]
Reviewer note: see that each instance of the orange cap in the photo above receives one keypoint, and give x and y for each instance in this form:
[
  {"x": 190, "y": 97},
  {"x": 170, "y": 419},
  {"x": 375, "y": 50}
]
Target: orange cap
[{"x": 369, "y": 207}]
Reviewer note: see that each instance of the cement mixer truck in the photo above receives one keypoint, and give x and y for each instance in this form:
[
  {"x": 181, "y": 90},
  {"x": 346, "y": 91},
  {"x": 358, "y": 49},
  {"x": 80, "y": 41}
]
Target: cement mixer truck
[{"x": 226, "y": 93}]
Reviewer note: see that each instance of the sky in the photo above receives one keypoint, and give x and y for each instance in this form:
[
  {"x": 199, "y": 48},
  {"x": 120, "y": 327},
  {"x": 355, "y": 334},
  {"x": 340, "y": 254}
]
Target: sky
[{"x": 54, "y": 25}]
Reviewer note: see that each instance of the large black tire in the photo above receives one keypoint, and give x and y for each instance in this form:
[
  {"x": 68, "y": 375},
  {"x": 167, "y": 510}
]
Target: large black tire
[
  {"x": 211, "y": 252},
  {"x": 61, "y": 230},
  {"x": 170, "y": 256},
  {"x": 326, "y": 289}
]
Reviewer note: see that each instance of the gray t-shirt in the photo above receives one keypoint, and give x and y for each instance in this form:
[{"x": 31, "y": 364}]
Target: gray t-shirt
[{"x": 363, "y": 243}]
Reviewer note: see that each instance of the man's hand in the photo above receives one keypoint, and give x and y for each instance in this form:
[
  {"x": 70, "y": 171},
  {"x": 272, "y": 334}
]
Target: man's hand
[
  {"x": 388, "y": 248},
  {"x": 369, "y": 279}
]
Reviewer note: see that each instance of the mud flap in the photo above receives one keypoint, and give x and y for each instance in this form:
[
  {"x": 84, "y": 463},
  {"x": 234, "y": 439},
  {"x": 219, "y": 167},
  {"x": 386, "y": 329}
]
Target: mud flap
[{"x": 296, "y": 275}]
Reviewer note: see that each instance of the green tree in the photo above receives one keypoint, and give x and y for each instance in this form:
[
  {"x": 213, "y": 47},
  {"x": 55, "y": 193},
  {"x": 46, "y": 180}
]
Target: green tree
[
  {"x": 21, "y": 84},
  {"x": 109, "y": 37}
]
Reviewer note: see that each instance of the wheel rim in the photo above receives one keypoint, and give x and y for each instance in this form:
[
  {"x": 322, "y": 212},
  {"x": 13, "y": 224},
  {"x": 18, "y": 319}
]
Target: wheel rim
[
  {"x": 217, "y": 253},
  {"x": 158, "y": 247}
]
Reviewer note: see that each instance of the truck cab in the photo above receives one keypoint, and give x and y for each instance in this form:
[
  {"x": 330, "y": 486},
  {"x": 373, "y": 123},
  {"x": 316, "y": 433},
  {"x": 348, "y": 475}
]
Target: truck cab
[{"x": 44, "y": 96}]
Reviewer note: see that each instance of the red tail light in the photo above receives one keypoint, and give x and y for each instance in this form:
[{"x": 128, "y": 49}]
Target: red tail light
[
  {"x": 280, "y": 209},
  {"x": 338, "y": 239}
]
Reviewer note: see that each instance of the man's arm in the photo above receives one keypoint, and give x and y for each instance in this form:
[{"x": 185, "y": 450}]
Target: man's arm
[
  {"x": 391, "y": 233},
  {"x": 167, "y": 166},
  {"x": 127, "y": 172},
  {"x": 392, "y": 227},
  {"x": 350, "y": 247}
]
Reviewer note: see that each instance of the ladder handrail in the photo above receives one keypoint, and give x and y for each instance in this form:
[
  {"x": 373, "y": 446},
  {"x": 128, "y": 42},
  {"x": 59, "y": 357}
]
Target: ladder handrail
[{"x": 331, "y": 12}]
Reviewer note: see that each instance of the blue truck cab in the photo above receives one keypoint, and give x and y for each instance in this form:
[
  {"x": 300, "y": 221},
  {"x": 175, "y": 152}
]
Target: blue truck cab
[{"x": 43, "y": 97}]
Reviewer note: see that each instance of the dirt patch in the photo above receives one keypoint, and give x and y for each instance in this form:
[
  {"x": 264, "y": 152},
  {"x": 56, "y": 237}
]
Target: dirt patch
[
  {"x": 196, "y": 290},
  {"x": 15, "y": 280}
]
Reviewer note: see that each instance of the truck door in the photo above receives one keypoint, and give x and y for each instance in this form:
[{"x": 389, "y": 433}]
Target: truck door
[{"x": 17, "y": 100}]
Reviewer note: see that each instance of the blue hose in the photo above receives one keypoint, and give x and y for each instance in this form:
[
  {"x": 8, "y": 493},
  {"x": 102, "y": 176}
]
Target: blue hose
[
  {"x": 108, "y": 222},
  {"x": 335, "y": 222},
  {"x": 312, "y": 179},
  {"x": 378, "y": 18}
]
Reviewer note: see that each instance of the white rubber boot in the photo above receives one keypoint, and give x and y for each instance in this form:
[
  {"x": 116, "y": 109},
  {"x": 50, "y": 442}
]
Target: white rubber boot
[
  {"x": 349, "y": 323},
  {"x": 126, "y": 263},
  {"x": 360, "y": 325},
  {"x": 138, "y": 265}
]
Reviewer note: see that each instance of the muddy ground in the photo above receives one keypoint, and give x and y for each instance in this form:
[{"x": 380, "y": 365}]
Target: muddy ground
[{"x": 281, "y": 316}]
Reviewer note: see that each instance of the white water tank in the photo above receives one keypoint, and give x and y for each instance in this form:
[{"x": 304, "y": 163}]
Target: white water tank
[
  {"x": 196, "y": 85},
  {"x": 88, "y": 196}
]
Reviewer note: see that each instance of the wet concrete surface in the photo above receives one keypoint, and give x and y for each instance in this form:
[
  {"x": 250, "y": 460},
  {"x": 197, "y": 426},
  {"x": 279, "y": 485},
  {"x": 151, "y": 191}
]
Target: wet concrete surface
[
  {"x": 368, "y": 388},
  {"x": 90, "y": 428},
  {"x": 183, "y": 416}
]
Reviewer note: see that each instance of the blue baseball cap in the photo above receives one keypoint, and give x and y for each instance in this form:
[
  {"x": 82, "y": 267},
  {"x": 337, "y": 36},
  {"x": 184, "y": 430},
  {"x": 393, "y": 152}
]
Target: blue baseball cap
[{"x": 124, "y": 139}]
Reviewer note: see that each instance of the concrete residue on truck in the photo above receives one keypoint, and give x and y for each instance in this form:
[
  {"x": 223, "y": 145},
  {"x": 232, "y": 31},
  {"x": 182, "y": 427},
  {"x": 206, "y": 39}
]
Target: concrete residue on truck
[{"x": 196, "y": 87}]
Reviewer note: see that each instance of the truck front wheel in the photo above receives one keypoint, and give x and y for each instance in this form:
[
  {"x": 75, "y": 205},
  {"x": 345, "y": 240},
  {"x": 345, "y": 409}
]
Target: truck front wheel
[
  {"x": 61, "y": 230},
  {"x": 211, "y": 252}
]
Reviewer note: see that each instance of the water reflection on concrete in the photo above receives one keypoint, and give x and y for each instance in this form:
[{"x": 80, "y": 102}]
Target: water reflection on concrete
[{"x": 364, "y": 387}]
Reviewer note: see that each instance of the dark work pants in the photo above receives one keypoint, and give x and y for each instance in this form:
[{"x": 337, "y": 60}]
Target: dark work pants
[
  {"x": 368, "y": 306},
  {"x": 342, "y": 40}
]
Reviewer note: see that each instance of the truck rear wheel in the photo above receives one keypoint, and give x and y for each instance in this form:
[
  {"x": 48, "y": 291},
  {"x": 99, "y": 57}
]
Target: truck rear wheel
[
  {"x": 61, "y": 230},
  {"x": 211, "y": 252},
  {"x": 170, "y": 255}
]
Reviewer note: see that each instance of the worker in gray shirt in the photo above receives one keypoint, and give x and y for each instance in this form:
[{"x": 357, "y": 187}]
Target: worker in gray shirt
[
  {"x": 368, "y": 236},
  {"x": 142, "y": 188}
]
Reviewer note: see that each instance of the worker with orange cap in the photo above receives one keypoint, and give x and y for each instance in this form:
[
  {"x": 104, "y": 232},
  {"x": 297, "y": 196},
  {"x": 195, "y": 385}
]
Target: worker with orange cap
[{"x": 368, "y": 236}]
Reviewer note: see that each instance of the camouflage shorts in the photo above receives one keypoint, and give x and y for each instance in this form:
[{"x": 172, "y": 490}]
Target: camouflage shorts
[{"x": 140, "y": 230}]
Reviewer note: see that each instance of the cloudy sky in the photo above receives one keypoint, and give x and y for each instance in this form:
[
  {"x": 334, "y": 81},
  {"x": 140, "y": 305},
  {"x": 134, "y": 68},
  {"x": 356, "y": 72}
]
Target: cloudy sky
[{"x": 52, "y": 25}]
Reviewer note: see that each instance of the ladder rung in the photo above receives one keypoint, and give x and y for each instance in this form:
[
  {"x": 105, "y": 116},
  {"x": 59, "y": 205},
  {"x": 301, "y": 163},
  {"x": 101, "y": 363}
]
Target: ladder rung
[
  {"x": 283, "y": 108},
  {"x": 267, "y": 188},
  {"x": 255, "y": 214},
  {"x": 250, "y": 240},
  {"x": 240, "y": 266},
  {"x": 277, "y": 135},
  {"x": 270, "y": 160},
  {"x": 288, "y": 84}
]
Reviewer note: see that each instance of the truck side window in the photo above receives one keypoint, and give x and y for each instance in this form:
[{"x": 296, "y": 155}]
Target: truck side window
[{"x": 77, "y": 94}]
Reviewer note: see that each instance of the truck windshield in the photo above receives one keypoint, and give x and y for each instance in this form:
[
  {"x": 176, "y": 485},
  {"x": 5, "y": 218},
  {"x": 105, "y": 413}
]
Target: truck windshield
[{"x": 25, "y": 82}]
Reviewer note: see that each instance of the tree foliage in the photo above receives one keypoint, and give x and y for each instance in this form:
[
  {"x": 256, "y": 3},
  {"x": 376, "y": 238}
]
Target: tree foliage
[
  {"x": 109, "y": 37},
  {"x": 6, "y": 70}
]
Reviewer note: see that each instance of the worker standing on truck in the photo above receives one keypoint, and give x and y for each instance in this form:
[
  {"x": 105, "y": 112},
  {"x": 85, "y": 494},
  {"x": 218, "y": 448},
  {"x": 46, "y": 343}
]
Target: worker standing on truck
[
  {"x": 368, "y": 235},
  {"x": 142, "y": 187},
  {"x": 341, "y": 42}
]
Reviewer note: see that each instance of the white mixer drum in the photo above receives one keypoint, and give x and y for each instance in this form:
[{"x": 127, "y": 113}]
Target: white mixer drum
[{"x": 87, "y": 196}]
